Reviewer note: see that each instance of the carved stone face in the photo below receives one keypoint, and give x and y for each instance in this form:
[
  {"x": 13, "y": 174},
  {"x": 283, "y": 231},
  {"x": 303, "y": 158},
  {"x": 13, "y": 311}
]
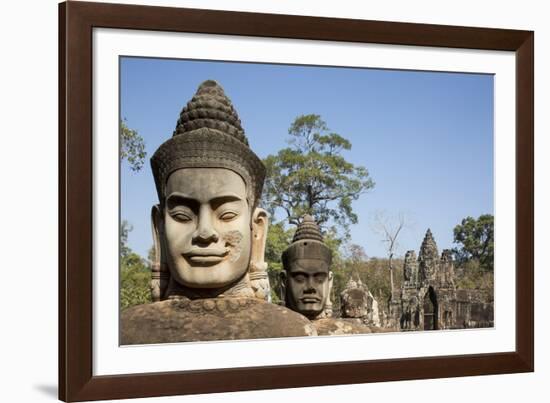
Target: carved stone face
[
  {"x": 354, "y": 303},
  {"x": 307, "y": 286},
  {"x": 207, "y": 227}
]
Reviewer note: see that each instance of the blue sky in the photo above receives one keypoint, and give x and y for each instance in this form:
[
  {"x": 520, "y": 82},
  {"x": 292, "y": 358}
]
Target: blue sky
[{"x": 425, "y": 137}]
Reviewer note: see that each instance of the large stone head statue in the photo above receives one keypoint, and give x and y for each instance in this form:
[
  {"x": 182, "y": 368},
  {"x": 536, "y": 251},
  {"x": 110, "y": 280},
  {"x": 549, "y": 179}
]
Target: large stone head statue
[
  {"x": 209, "y": 234},
  {"x": 307, "y": 278}
]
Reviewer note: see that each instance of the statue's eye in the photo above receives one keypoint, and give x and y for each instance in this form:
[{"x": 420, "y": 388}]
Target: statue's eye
[
  {"x": 181, "y": 217},
  {"x": 300, "y": 278},
  {"x": 228, "y": 216},
  {"x": 320, "y": 277}
]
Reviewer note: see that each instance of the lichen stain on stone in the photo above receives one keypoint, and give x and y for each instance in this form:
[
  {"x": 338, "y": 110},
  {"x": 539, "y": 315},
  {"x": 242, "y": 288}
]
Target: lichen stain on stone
[{"x": 233, "y": 240}]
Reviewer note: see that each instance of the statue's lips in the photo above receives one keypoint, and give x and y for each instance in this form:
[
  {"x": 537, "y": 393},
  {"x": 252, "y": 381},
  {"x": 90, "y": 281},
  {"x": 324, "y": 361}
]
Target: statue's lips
[
  {"x": 310, "y": 300},
  {"x": 206, "y": 255}
]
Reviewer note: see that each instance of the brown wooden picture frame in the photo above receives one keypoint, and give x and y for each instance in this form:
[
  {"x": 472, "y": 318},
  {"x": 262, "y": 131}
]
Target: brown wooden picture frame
[{"x": 76, "y": 23}]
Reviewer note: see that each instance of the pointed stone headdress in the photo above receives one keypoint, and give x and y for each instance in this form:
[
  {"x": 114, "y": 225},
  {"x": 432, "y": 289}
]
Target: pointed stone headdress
[
  {"x": 209, "y": 134},
  {"x": 307, "y": 244}
]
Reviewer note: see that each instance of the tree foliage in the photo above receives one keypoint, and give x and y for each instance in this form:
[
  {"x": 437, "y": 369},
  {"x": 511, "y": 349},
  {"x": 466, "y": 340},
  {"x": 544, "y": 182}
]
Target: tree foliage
[
  {"x": 278, "y": 239},
  {"x": 135, "y": 274},
  {"x": 132, "y": 147},
  {"x": 372, "y": 272},
  {"x": 135, "y": 280},
  {"x": 476, "y": 241},
  {"x": 471, "y": 276},
  {"x": 311, "y": 176},
  {"x": 125, "y": 229}
]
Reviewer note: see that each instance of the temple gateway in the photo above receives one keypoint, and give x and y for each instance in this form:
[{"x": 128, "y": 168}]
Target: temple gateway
[{"x": 429, "y": 299}]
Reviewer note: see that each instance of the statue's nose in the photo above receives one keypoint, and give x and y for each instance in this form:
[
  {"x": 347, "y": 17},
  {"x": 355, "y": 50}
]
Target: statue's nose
[
  {"x": 205, "y": 232},
  {"x": 310, "y": 289}
]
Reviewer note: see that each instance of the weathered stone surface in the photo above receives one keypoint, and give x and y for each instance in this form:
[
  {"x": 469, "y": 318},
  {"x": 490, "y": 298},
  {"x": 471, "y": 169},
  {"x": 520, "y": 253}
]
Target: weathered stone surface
[
  {"x": 430, "y": 301},
  {"x": 354, "y": 301},
  {"x": 208, "y": 160},
  {"x": 428, "y": 258},
  {"x": 307, "y": 279},
  {"x": 340, "y": 326},
  {"x": 209, "y": 134},
  {"x": 358, "y": 302},
  {"x": 308, "y": 230},
  {"x": 209, "y": 277},
  {"x": 410, "y": 269},
  {"x": 474, "y": 309},
  {"x": 181, "y": 320}
]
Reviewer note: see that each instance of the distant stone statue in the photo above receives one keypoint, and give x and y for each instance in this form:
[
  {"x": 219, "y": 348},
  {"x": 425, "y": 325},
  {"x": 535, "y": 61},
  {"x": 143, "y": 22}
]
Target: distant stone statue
[
  {"x": 358, "y": 302},
  {"x": 307, "y": 281},
  {"x": 209, "y": 278}
]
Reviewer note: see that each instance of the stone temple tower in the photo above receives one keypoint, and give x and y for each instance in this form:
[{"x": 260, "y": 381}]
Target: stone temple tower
[
  {"x": 429, "y": 298},
  {"x": 428, "y": 259}
]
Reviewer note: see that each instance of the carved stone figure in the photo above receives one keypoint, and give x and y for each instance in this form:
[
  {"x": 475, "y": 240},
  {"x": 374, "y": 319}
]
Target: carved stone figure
[
  {"x": 209, "y": 278},
  {"x": 354, "y": 300},
  {"x": 358, "y": 302},
  {"x": 410, "y": 269},
  {"x": 307, "y": 281}
]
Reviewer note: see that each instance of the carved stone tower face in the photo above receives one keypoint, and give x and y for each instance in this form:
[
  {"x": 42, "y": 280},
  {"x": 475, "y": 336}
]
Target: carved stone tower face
[
  {"x": 410, "y": 269},
  {"x": 446, "y": 269},
  {"x": 307, "y": 278},
  {"x": 428, "y": 258}
]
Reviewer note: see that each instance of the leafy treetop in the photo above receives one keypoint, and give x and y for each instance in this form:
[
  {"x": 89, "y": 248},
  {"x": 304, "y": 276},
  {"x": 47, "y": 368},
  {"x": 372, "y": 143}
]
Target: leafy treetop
[
  {"x": 132, "y": 147},
  {"x": 476, "y": 240},
  {"x": 311, "y": 176}
]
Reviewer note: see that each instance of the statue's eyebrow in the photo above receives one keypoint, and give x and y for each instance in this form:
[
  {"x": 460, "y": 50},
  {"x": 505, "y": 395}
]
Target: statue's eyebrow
[
  {"x": 181, "y": 198},
  {"x": 216, "y": 201}
]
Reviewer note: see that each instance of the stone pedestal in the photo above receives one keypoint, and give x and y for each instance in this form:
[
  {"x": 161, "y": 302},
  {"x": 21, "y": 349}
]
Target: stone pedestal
[
  {"x": 180, "y": 319},
  {"x": 340, "y": 326}
]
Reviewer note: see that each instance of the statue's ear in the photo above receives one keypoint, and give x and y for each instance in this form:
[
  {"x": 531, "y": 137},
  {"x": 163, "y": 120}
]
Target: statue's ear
[
  {"x": 260, "y": 224},
  {"x": 328, "y": 304},
  {"x": 330, "y": 282},
  {"x": 159, "y": 272},
  {"x": 259, "y": 279},
  {"x": 156, "y": 225},
  {"x": 283, "y": 278}
]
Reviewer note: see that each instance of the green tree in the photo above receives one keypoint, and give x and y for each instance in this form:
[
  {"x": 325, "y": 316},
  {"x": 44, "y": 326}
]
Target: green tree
[
  {"x": 125, "y": 228},
  {"x": 135, "y": 280},
  {"x": 311, "y": 176},
  {"x": 476, "y": 241},
  {"x": 278, "y": 239},
  {"x": 151, "y": 256},
  {"x": 470, "y": 275},
  {"x": 132, "y": 147},
  {"x": 135, "y": 274}
]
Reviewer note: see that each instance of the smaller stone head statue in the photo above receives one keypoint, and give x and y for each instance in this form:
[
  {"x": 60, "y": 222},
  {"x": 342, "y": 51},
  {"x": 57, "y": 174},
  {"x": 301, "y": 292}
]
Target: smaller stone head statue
[
  {"x": 354, "y": 300},
  {"x": 307, "y": 279}
]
